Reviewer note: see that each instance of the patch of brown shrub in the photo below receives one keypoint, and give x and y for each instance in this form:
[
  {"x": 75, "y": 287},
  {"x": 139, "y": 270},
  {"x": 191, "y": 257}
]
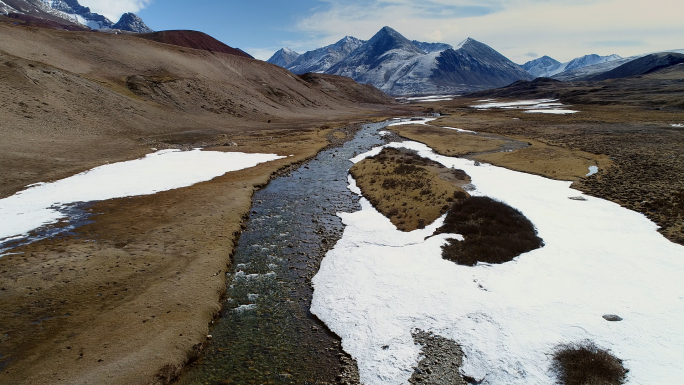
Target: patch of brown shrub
[
  {"x": 493, "y": 232},
  {"x": 584, "y": 363}
]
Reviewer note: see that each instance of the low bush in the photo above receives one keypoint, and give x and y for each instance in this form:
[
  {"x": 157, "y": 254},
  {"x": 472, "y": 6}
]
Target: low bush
[
  {"x": 493, "y": 232},
  {"x": 583, "y": 363}
]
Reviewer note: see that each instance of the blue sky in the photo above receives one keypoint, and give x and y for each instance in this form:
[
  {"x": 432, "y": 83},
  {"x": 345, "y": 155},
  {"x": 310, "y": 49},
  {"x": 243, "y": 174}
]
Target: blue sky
[{"x": 519, "y": 29}]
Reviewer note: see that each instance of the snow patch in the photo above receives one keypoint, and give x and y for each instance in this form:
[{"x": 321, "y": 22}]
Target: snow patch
[
  {"x": 538, "y": 106},
  {"x": 160, "y": 171},
  {"x": 378, "y": 284}
]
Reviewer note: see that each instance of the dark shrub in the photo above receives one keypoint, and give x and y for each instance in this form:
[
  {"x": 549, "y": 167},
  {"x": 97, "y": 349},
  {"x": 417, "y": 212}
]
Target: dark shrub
[
  {"x": 493, "y": 231},
  {"x": 584, "y": 363}
]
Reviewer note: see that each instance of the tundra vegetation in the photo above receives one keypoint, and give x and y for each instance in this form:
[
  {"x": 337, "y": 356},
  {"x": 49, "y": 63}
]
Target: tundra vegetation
[{"x": 410, "y": 190}]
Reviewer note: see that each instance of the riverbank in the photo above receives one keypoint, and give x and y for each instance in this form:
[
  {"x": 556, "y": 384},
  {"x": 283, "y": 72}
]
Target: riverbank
[{"x": 130, "y": 297}]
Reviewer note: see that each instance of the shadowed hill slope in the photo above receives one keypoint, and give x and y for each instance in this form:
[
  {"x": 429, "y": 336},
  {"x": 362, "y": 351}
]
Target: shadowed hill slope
[
  {"x": 641, "y": 66},
  {"x": 193, "y": 39},
  {"x": 344, "y": 88}
]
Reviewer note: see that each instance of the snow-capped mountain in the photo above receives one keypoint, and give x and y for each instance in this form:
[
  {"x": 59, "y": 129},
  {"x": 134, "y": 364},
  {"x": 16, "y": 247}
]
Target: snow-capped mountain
[
  {"x": 131, "y": 22},
  {"x": 70, "y": 12},
  {"x": 431, "y": 47},
  {"x": 542, "y": 66},
  {"x": 474, "y": 65},
  {"x": 283, "y": 57},
  {"x": 585, "y": 72},
  {"x": 320, "y": 60},
  {"x": 81, "y": 14},
  {"x": 398, "y": 66},
  {"x": 545, "y": 67}
]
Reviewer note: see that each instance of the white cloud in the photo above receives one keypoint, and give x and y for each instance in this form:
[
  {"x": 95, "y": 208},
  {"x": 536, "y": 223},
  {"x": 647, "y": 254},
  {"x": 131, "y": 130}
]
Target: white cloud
[
  {"x": 261, "y": 53},
  {"x": 558, "y": 28},
  {"x": 113, "y": 9}
]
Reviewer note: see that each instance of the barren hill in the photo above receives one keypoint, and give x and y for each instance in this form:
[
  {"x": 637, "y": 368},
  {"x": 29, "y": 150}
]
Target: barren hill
[
  {"x": 76, "y": 96},
  {"x": 193, "y": 39}
]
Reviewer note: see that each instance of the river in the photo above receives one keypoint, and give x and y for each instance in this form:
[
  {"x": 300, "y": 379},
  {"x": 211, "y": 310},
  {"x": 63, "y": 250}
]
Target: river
[{"x": 266, "y": 333}]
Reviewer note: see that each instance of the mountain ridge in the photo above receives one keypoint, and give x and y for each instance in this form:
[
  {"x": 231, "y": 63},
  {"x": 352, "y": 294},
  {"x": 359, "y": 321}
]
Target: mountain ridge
[
  {"x": 71, "y": 12},
  {"x": 399, "y": 66},
  {"x": 546, "y": 66}
]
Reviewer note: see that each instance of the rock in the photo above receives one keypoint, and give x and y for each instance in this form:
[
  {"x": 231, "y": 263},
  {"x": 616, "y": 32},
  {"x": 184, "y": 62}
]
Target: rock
[{"x": 612, "y": 318}]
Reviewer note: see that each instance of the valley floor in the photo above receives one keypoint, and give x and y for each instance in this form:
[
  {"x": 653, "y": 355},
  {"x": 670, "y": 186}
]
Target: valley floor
[{"x": 130, "y": 297}]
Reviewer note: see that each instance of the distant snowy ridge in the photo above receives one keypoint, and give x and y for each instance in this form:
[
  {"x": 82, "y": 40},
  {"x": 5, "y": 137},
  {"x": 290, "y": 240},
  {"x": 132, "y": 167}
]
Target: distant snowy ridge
[
  {"x": 321, "y": 59},
  {"x": 283, "y": 57},
  {"x": 548, "y": 67},
  {"x": 583, "y": 72},
  {"x": 402, "y": 67}
]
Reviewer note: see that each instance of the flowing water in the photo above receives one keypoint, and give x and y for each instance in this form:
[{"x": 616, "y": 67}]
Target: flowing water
[{"x": 266, "y": 334}]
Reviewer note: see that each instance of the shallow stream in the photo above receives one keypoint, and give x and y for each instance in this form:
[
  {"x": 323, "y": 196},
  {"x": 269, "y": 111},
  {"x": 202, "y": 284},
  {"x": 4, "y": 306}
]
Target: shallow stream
[{"x": 266, "y": 334}]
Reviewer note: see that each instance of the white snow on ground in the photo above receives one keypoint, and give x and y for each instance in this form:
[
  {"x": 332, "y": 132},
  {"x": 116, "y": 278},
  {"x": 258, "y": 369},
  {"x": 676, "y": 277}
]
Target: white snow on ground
[
  {"x": 425, "y": 121},
  {"x": 555, "y": 112},
  {"x": 378, "y": 284},
  {"x": 539, "y": 106},
  {"x": 422, "y": 99},
  {"x": 460, "y": 130},
  {"x": 677, "y": 125},
  {"x": 412, "y": 121},
  {"x": 160, "y": 171},
  {"x": 592, "y": 170}
]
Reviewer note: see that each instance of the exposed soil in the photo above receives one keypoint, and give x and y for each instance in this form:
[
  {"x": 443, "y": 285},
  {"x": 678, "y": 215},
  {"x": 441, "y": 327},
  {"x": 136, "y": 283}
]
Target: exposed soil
[
  {"x": 442, "y": 359},
  {"x": 410, "y": 190}
]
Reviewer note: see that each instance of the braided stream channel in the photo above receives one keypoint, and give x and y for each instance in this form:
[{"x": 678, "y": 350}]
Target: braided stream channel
[{"x": 266, "y": 333}]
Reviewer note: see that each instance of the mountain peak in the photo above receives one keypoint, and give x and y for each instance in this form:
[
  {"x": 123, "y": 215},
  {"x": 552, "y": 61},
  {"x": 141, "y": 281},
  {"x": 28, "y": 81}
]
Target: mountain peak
[
  {"x": 465, "y": 42},
  {"x": 388, "y": 39},
  {"x": 283, "y": 57},
  {"x": 131, "y": 22}
]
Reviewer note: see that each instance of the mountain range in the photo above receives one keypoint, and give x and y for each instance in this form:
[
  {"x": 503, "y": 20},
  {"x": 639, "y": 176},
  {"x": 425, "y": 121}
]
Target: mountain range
[
  {"x": 547, "y": 67},
  {"x": 398, "y": 66},
  {"x": 70, "y": 13}
]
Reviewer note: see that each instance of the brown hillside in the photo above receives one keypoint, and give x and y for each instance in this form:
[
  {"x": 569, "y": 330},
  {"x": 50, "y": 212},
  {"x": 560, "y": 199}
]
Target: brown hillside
[
  {"x": 193, "y": 39},
  {"x": 71, "y": 98},
  {"x": 128, "y": 299},
  {"x": 344, "y": 88}
]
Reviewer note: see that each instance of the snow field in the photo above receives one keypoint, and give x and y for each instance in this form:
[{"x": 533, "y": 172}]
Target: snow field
[
  {"x": 160, "y": 171},
  {"x": 378, "y": 284},
  {"x": 538, "y": 106}
]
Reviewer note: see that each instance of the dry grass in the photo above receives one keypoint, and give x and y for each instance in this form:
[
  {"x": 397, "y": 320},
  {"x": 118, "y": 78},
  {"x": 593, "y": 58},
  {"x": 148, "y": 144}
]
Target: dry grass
[
  {"x": 494, "y": 232},
  {"x": 448, "y": 142},
  {"x": 540, "y": 158},
  {"x": 550, "y": 161},
  {"x": 584, "y": 363},
  {"x": 411, "y": 191}
]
